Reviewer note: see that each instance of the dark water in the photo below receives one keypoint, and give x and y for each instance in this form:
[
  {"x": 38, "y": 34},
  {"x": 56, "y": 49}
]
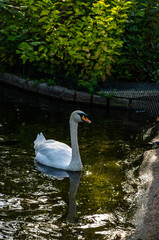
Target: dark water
[{"x": 96, "y": 204}]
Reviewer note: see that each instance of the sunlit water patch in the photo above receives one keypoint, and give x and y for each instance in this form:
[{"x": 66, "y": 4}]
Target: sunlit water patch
[{"x": 40, "y": 203}]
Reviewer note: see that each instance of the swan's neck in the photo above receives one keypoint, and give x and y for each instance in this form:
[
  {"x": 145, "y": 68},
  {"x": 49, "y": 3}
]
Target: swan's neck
[{"x": 75, "y": 164}]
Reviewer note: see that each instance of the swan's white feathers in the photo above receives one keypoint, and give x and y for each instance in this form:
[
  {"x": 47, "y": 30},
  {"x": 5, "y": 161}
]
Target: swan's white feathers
[
  {"x": 40, "y": 138},
  {"x": 53, "y": 153}
]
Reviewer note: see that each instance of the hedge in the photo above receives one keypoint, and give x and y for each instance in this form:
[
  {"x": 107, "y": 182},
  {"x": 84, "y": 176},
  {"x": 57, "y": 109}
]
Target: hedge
[{"x": 80, "y": 43}]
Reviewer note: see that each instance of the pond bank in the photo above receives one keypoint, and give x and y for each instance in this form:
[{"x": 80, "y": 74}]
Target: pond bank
[
  {"x": 147, "y": 215},
  {"x": 61, "y": 93}
]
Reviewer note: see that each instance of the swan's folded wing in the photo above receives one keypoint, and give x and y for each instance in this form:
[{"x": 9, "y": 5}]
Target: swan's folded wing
[{"x": 54, "y": 154}]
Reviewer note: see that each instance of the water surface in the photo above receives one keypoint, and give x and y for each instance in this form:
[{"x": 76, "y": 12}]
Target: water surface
[{"x": 96, "y": 204}]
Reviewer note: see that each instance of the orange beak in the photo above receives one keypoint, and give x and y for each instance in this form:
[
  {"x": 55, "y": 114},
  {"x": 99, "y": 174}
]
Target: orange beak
[
  {"x": 157, "y": 119},
  {"x": 86, "y": 119}
]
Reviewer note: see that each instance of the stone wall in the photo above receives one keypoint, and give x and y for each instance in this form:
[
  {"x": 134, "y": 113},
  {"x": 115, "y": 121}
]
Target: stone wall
[{"x": 56, "y": 92}]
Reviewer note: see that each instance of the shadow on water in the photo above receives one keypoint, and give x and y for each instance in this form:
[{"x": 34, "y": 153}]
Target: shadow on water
[{"x": 35, "y": 206}]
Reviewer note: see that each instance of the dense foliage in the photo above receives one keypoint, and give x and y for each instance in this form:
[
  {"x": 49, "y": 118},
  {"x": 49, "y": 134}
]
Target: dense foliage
[
  {"x": 80, "y": 43},
  {"x": 79, "y": 39},
  {"x": 139, "y": 59}
]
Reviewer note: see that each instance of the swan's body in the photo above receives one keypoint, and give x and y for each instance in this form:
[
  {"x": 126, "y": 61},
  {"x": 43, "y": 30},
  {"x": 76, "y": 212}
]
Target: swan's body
[{"x": 57, "y": 154}]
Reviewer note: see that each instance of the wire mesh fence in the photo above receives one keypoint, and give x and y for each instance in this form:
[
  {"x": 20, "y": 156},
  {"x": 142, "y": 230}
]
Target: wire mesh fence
[{"x": 143, "y": 97}]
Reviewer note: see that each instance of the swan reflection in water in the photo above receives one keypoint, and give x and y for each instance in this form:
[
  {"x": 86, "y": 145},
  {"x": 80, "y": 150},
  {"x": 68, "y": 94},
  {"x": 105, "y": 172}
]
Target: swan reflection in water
[{"x": 74, "y": 183}]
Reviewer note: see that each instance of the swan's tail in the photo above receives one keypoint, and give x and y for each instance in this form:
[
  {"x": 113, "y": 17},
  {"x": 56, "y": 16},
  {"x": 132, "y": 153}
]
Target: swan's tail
[{"x": 40, "y": 138}]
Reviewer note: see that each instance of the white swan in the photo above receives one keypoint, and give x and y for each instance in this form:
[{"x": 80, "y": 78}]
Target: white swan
[{"x": 57, "y": 154}]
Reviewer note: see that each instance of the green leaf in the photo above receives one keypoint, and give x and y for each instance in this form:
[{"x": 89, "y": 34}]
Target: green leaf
[
  {"x": 35, "y": 43},
  {"x": 11, "y": 38},
  {"x": 43, "y": 19},
  {"x": 41, "y": 48},
  {"x": 44, "y": 12},
  {"x": 24, "y": 58},
  {"x": 23, "y": 45}
]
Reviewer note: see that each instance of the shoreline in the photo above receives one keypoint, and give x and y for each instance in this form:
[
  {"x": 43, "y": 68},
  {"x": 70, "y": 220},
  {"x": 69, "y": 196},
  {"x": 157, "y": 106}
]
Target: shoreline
[
  {"x": 62, "y": 93},
  {"x": 55, "y": 92},
  {"x": 146, "y": 218}
]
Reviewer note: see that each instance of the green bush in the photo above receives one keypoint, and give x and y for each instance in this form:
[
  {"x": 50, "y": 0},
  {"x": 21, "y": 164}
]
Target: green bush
[
  {"x": 81, "y": 43},
  {"x": 139, "y": 59},
  {"x": 11, "y": 31},
  {"x": 79, "y": 39}
]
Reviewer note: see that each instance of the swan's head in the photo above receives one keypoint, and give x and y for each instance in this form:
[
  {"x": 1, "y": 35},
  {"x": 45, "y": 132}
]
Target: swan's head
[{"x": 79, "y": 116}]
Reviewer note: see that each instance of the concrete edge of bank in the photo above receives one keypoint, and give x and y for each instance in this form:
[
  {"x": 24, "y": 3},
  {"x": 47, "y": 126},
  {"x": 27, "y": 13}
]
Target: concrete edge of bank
[{"x": 61, "y": 93}]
